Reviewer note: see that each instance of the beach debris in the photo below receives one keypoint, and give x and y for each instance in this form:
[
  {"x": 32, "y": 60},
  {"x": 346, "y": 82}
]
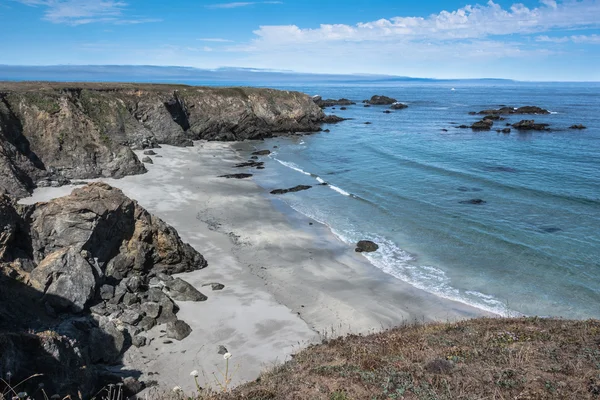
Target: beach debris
[
  {"x": 236, "y": 176},
  {"x": 366, "y": 246},
  {"x": 290, "y": 190}
]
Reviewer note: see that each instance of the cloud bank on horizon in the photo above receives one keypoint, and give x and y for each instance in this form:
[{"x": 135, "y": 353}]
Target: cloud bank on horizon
[{"x": 542, "y": 40}]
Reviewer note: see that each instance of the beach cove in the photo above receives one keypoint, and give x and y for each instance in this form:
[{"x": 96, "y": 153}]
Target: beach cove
[{"x": 289, "y": 281}]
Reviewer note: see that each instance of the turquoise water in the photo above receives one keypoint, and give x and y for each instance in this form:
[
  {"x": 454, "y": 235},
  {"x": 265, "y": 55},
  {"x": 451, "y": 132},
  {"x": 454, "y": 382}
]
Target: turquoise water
[{"x": 533, "y": 248}]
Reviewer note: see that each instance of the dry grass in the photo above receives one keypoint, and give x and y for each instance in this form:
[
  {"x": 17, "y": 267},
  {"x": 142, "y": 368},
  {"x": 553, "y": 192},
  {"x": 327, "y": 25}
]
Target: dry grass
[{"x": 527, "y": 358}]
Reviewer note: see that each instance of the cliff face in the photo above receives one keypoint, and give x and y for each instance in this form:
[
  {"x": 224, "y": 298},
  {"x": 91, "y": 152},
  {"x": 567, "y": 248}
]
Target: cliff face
[
  {"x": 89, "y": 273},
  {"x": 51, "y": 132}
]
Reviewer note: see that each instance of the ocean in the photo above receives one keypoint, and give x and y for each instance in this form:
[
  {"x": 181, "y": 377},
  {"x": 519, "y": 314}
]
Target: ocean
[{"x": 533, "y": 247}]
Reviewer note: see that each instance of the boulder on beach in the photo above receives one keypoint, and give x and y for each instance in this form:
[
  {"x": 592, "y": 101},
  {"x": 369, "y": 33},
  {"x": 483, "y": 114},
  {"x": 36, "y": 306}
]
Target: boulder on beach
[
  {"x": 366, "y": 246},
  {"x": 147, "y": 160},
  {"x": 178, "y": 330},
  {"x": 291, "y": 190},
  {"x": 236, "y": 176},
  {"x": 262, "y": 153}
]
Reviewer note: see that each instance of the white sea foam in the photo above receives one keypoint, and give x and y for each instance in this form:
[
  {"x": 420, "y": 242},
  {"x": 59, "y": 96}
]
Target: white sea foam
[
  {"x": 292, "y": 166},
  {"x": 320, "y": 180},
  {"x": 341, "y": 191}
]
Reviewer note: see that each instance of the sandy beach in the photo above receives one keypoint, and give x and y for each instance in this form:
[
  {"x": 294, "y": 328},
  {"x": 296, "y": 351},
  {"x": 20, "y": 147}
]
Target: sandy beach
[{"x": 288, "y": 280}]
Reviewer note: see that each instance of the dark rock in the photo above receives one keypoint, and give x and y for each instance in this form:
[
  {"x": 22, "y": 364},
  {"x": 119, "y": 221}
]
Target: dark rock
[
  {"x": 130, "y": 317},
  {"x": 512, "y": 110},
  {"x": 367, "y": 105},
  {"x": 107, "y": 292},
  {"x": 493, "y": 117},
  {"x": 473, "y": 201},
  {"x": 505, "y": 130},
  {"x": 368, "y": 123},
  {"x": 215, "y": 286},
  {"x": 249, "y": 164},
  {"x": 130, "y": 299},
  {"x": 66, "y": 278},
  {"x": 236, "y": 176},
  {"x": 294, "y": 189},
  {"x": 180, "y": 290},
  {"x": 381, "y": 101},
  {"x": 529, "y": 125},
  {"x": 343, "y": 108},
  {"x": 139, "y": 341},
  {"x": 131, "y": 386},
  {"x": 326, "y": 131},
  {"x": 444, "y": 130},
  {"x": 484, "y": 125},
  {"x": 331, "y": 102},
  {"x": 178, "y": 330},
  {"x": 149, "y": 153},
  {"x": 150, "y": 309},
  {"x": 254, "y": 158},
  {"x": 463, "y": 127},
  {"x": 261, "y": 167},
  {"x": 387, "y": 112},
  {"x": 222, "y": 350},
  {"x": 366, "y": 246},
  {"x": 398, "y": 106},
  {"x": 147, "y": 323},
  {"x": 262, "y": 153},
  {"x": 147, "y": 160},
  {"x": 333, "y": 119},
  {"x": 577, "y": 127}
]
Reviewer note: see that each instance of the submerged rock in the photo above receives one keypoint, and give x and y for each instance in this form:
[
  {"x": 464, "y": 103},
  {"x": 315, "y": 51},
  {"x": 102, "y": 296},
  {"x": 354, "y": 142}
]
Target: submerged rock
[
  {"x": 262, "y": 153},
  {"x": 483, "y": 125},
  {"x": 333, "y": 119},
  {"x": 512, "y": 110},
  {"x": 473, "y": 201},
  {"x": 580, "y": 126},
  {"x": 398, "y": 106}
]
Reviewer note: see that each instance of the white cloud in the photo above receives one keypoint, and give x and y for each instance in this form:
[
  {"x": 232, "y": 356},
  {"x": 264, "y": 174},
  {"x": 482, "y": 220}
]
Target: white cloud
[
  {"x": 215, "y": 40},
  {"x": 583, "y": 39},
  {"x": 241, "y": 4},
  {"x": 80, "y": 12},
  {"x": 469, "y": 22}
]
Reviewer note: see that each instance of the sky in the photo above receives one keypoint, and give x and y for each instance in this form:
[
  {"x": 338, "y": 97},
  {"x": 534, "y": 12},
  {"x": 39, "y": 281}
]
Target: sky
[{"x": 539, "y": 40}]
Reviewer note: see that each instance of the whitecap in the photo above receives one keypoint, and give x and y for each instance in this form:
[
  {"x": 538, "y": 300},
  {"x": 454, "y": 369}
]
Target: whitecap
[
  {"x": 339, "y": 190},
  {"x": 293, "y": 166}
]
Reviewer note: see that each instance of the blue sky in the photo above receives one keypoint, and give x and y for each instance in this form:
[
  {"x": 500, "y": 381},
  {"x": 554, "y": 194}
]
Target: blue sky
[{"x": 528, "y": 40}]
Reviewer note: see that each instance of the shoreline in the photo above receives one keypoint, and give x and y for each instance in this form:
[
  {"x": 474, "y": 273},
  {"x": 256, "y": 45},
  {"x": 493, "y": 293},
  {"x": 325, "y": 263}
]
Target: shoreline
[{"x": 287, "y": 283}]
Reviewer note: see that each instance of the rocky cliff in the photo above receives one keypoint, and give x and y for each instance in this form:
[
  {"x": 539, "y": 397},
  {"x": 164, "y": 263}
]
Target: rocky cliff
[
  {"x": 53, "y": 132},
  {"x": 82, "y": 278}
]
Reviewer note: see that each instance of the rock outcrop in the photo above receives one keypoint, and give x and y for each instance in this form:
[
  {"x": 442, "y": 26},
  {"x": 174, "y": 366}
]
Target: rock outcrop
[
  {"x": 90, "y": 272},
  {"x": 514, "y": 110},
  {"x": 53, "y": 132},
  {"x": 291, "y": 190},
  {"x": 530, "y": 125},
  {"x": 332, "y": 102},
  {"x": 366, "y": 246},
  {"x": 380, "y": 101}
]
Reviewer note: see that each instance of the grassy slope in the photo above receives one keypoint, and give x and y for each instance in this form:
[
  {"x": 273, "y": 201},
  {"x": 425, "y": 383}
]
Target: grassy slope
[{"x": 528, "y": 358}]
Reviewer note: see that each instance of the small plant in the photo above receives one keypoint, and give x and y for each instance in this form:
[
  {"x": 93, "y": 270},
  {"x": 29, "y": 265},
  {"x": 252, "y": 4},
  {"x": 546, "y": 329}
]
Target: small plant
[{"x": 226, "y": 377}]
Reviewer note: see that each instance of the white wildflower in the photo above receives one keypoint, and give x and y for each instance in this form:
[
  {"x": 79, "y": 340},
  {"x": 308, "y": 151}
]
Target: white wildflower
[
  {"x": 177, "y": 389},
  {"x": 8, "y": 374},
  {"x": 22, "y": 395},
  {"x": 227, "y": 356},
  {"x": 194, "y": 373}
]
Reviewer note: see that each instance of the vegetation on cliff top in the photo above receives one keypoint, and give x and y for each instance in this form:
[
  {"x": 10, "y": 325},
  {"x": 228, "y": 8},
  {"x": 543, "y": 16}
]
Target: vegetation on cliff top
[{"x": 524, "y": 358}]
